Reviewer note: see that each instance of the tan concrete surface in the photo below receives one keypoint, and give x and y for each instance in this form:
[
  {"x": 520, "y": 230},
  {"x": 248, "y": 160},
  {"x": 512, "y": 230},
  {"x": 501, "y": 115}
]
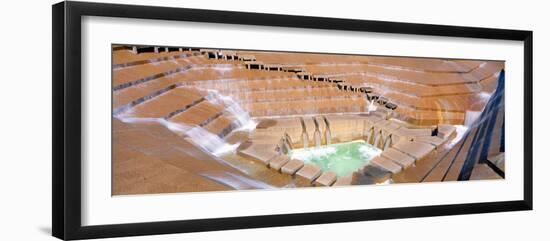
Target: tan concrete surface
[
  {"x": 417, "y": 150},
  {"x": 386, "y": 164},
  {"x": 147, "y": 157},
  {"x": 445, "y": 131},
  {"x": 292, "y": 167},
  {"x": 278, "y": 162},
  {"x": 343, "y": 181},
  {"x": 326, "y": 179},
  {"x": 309, "y": 172},
  {"x": 263, "y": 153},
  {"x": 398, "y": 157}
]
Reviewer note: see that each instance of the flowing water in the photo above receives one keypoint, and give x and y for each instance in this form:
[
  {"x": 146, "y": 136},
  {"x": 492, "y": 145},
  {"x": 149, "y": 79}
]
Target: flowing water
[
  {"x": 328, "y": 137},
  {"x": 244, "y": 122},
  {"x": 371, "y": 107},
  {"x": 317, "y": 138},
  {"x": 199, "y": 136},
  {"x": 305, "y": 139},
  {"x": 202, "y": 138}
]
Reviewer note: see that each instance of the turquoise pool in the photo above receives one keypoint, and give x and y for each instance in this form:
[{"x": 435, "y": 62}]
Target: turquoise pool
[{"x": 341, "y": 158}]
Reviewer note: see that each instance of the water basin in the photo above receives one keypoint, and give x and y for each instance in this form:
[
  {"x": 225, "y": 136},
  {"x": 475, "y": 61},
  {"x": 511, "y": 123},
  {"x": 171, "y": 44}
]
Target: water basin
[{"x": 342, "y": 158}]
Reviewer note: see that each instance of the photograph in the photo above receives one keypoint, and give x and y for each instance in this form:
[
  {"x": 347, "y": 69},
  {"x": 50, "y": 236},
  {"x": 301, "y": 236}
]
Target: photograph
[
  {"x": 196, "y": 119},
  {"x": 214, "y": 120}
]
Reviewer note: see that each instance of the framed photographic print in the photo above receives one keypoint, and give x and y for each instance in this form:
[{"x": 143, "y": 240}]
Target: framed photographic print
[{"x": 170, "y": 120}]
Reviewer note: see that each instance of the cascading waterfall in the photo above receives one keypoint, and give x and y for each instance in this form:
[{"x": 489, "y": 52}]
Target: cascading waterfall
[
  {"x": 285, "y": 144},
  {"x": 383, "y": 140},
  {"x": 377, "y": 137},
  {"x": 328, "y": 135},
  {"x": 288, "y": 140},
  {"x": 369, "y": 136},
  {"x": 317, "y": 137},
  {"x": 317, "y": 133},
  {"x": 209, "y": 141},
  {"x": 371, "y": 107},
  {"x": 305, "y": 137},
  {"x": 244, "y": 122},
  {"x": 199, "y": 136},
  {"x": 387, "y": 142}
]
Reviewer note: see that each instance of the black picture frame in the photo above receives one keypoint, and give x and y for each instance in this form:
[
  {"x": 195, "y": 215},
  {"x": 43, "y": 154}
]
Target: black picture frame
[{"x": 66, "y": 127}]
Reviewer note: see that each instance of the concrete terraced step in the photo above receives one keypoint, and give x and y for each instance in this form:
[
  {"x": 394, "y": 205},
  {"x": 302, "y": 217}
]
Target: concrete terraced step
[
  {"x": 222, "y": 125},
  {"x": 370, "y": 174},
  {"x": 386, "y": 164},
  {"x": 316, "y": 106},
  {"x": 326, "y": 179},
  {"x": 262, "y": 153},
  {"x": 418, "y": 64},
  {"x": 414, "y": 149},
  {"x": 414, "y": 77},
  {"x": 166, "y": 70},
  {"x": 292, "y": 94},
  {"x": 454, "y": 103},
  {"x": 409, "y": 88},
  {"x": 398, "y": 157},
  {"x": 429, "y": 65},
  {"x": 148, "y": 158},
  {"x": 127, "y": 96},
  {"x": 308, "y": 173},
  {"x": 137, "y": 72},
  {"x": 429, "y": 117},
  {"x": 178, "y": 99},
  {"x": 170, "y": 56},
  {"x": 432, "y": 140},
  {"x": 121, "y": 57},
  {"x": 280, "y": 81},
  {"x": 402, "y": 64},
  {"x": 200, "y": 114},
  {"x": 301, "y": 58}
]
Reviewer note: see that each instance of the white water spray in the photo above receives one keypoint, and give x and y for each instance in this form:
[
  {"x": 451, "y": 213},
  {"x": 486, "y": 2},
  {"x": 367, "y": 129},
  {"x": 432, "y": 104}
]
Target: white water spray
[
  {"x": 244, "y": 122},
  {"x": 200, "y": 137},
  {"x": 371, "y": 107}
]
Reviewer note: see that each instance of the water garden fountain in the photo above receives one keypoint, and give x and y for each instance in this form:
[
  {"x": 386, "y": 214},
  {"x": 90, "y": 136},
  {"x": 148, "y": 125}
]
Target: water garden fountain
[
  {"x": 316, "y": 133},
  {"x": 328, "y": 135},
  {"x": 305, "y": 138}
]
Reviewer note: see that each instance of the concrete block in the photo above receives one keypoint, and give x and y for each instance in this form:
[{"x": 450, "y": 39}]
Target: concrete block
[
  {"x": 292, "y": 166},
  {"x": 415, "y": 149},
  {"x": 262, "y": 153},
  {"x": 326, "y": 179},
  {"x": 398, "y": 157},
  {"x": 409, "y": 132},
  {"x": 373, "y": 119},
  {"x": 343, "y": 181},
  {"x": 309, "y": 172},
  {"x": 386, "y": 164},
  {"x": 445, "y": 131},
  {"x": 433, "y": 140},
  {"x": 278, "y": 162},
  {"x": 376, "y": 173}
]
